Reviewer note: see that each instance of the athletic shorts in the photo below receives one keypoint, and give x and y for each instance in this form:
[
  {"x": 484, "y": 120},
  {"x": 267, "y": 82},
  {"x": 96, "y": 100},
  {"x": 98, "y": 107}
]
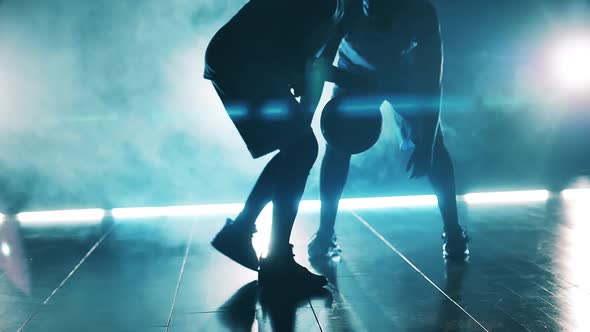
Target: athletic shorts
[{"x": 266, "y": 114}]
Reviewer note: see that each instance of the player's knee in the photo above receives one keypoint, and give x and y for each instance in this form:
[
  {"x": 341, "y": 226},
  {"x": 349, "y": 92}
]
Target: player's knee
[
  {"x": 442, "y": 161},
  {"x": 302, "y": 153},
  {"x": 440, "y": 149},
  {"x": 335, "y": 157},
  {"x": 308, "y": 151}
]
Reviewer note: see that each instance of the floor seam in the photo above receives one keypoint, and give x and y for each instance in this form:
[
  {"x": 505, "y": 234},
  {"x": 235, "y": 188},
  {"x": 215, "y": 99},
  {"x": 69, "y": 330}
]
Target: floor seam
[
  {"x": 394, "y": 249},
  {"x": 181, "y": 274},
  {"x": 76, "y": 267},
  {"x": 315, "y": 315}
]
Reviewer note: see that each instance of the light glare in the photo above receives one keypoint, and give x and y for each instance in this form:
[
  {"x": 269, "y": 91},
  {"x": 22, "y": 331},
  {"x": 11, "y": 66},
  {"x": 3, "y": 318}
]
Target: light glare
[
  {"x": 5, "y": 249},
  {"x": 571, "y": 64},
  {"x": 576, "y": 194},
  {"x": 346, "y": 204},
  {"x": 507, "y": 197},
  {"x": 61, "y": 216},
  {"x": 176, "y": 211}
]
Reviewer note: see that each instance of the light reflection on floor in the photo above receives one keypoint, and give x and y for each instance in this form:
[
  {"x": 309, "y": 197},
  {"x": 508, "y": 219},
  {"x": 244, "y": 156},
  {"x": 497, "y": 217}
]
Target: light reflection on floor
[
  {"x": 575, "y": 241},
  {"x": 528, "y": 271}
]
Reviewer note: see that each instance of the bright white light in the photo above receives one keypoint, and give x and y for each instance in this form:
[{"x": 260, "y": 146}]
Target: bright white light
[
  {"x": 571, "y": 64},
  {"x": 5, "y": 249},
  {"x": 507, "y": 197},
  {"x": 573, "y": 261},
  {"x": 310, "y": 206},
  {"x": 346, "y": 204},
  {"x": 261, "y": 239},
  {"x": 373, "y": 203},
  {"x": 61, "y": 216},
  {"x": 387, "y": 202},
  {"x": 576, "y": 194},
  {"x": 176, "y": 211}
]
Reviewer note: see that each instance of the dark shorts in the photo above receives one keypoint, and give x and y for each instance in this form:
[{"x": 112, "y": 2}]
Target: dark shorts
[{"x": 266, "y": 114}]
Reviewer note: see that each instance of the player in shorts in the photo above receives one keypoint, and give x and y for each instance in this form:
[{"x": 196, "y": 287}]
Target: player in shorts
[
  {"x": 393, "y": 52},
  {"x": 253, "y": 62}
]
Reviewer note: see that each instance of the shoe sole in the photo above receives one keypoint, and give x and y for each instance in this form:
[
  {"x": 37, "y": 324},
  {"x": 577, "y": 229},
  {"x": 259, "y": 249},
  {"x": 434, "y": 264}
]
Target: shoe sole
[
  {"x": 272, "y": 281},
  {"x": 328, "y": 255},
  {"x": 456, "y": 256},
  {"x": 227, "y": 253}
]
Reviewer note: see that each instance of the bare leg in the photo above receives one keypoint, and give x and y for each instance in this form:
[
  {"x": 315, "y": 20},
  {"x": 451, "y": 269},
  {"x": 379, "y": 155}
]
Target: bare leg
[{"x": 333, "y": 174}]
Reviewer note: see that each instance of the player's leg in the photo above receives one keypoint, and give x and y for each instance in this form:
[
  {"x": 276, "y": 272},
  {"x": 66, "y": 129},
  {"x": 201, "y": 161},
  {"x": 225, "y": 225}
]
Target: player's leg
[
  {"x": 442, "y": 179},
  {"x": 333, "y": 174},
  {"x": 248, "y": 106}
]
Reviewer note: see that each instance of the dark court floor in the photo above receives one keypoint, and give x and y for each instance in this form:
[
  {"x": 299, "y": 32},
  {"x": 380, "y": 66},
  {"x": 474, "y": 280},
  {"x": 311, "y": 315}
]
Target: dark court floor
[{"x": 528, "y": 271}]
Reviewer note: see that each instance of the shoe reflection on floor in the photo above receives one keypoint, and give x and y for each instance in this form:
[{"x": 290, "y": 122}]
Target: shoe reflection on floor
[{"x": 253, "y": 305}]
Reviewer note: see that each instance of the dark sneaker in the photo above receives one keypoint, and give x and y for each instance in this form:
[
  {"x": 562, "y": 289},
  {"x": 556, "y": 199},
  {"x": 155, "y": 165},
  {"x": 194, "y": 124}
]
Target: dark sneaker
[
  {"x": 455, "y": 244},
  {"x": 235, "y": 241},
  {"x": 323, "y": 247},
  {"x": 283, "y": 272}
]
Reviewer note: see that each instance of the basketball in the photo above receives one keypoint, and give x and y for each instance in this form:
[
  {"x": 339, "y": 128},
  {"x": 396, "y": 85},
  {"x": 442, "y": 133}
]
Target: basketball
[{"x": 351, "y": 125}]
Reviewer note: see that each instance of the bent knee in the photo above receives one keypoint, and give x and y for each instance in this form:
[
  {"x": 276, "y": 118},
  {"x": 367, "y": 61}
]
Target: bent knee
[
  {"x": 309, "y": 149},
  {"x": 303, "y": 152}
]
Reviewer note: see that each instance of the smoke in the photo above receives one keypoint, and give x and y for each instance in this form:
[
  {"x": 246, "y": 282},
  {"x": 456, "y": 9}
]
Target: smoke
[{"x": 103, "y": 103}]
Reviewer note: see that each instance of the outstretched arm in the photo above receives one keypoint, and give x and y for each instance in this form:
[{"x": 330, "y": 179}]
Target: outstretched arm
[
  {"x": 428, "y": 72},
  {"x": 426, "y": 87},
  {"x": 320, "y": 68}
]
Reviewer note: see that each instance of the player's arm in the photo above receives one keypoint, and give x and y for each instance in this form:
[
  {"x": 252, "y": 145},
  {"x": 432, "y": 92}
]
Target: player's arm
[
  {"x": 352, "y": 80},
  {"x": 427, "y": 74},
  {"x": 426, "y": 86},
  {"x": 334, "y": 74},
  {"x": 320, "y": 68}
]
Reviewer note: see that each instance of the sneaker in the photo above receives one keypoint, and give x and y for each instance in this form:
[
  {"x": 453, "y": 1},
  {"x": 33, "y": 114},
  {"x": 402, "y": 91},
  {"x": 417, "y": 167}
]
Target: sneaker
[
  {"x": 322, "y": 247},
  {"x": 235, "y": 241},
  {"x": 455, "y": 244},
  {"x": 283, "y": 271}
]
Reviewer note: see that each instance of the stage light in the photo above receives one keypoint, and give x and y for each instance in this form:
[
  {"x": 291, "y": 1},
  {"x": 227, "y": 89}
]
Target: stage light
[
  {"x": 61, "y": 216},
  {"x": 507, "y": 197},
  {"x": 176, "y": 211},
  {"x": 570, "y": 64},
  {"x": 346, "y": 204},
  {"x": 387, "y": 202},
  {"x": 5, "y": 248},
  {"x": 576, "y": 194}
]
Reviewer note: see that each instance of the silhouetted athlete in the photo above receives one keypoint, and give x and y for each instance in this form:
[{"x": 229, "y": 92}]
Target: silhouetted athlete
[
  {"x": 253, "y": 62},
  {"x": 393, "y": 51}
]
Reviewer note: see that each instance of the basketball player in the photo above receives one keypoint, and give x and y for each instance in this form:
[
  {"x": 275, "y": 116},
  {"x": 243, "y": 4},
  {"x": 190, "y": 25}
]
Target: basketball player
[
  {"x": 253, "y": 62},
  {"x": 393, "y": 51}
]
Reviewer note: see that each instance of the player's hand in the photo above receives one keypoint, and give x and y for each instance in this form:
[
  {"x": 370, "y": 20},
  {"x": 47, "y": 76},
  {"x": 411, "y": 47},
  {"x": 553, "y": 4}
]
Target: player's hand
[
  {"x": 313, "y": 85},
  {"x": 315, "y": 74},
  {"x": 298, "y": 88},
  {"x": 317, "y": 71}
]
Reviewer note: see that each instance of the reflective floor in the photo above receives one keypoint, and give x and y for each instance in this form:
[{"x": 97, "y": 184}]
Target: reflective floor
[{"x": 528, "y": 272}]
